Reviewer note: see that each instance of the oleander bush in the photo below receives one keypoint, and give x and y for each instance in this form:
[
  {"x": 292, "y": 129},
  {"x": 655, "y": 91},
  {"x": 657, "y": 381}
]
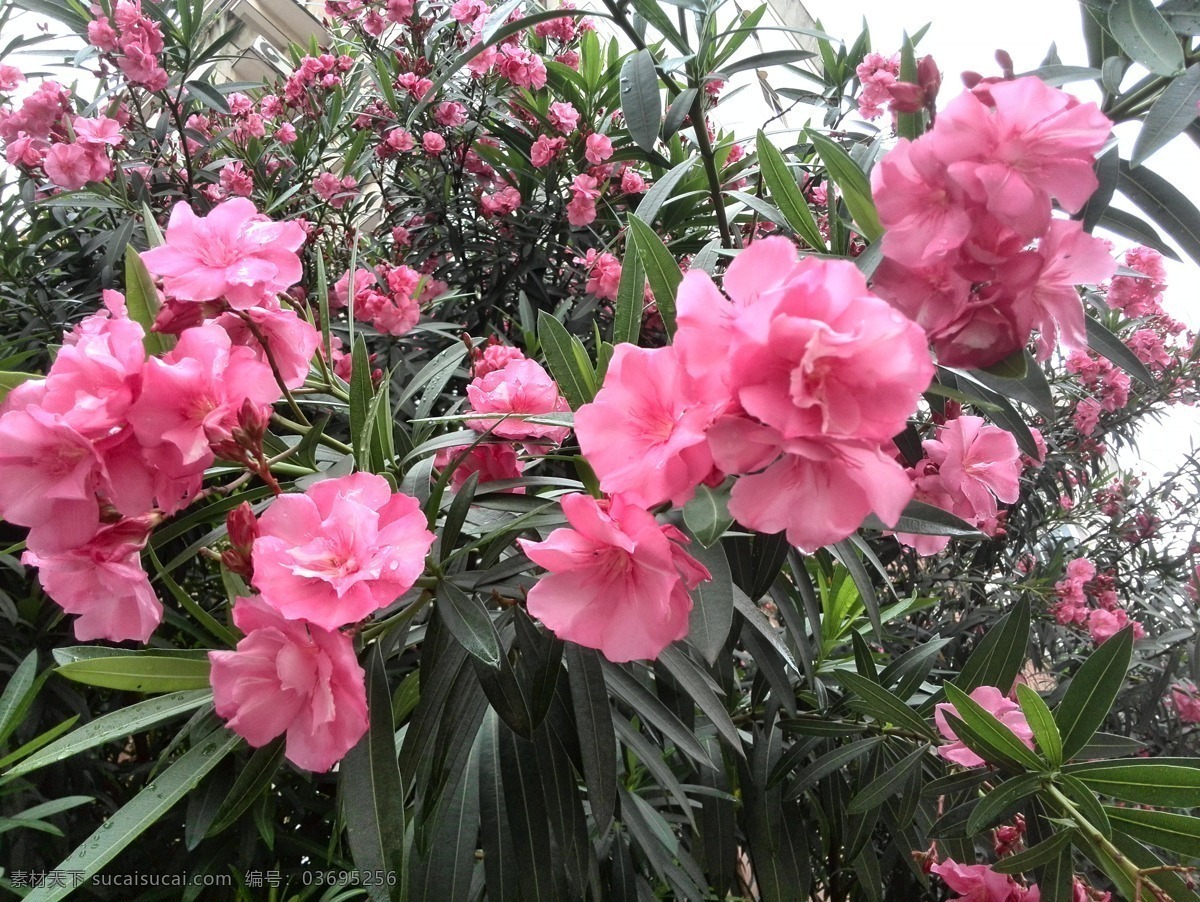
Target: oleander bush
[{"x": 473, "y": 465}]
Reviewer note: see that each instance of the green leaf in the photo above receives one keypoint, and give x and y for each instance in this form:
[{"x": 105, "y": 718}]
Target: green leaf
[
  {"x": 1013, "y": 367},
  {"x": 141, "y": 300},
  {"x": 652, "y": 12},
  {"x": 924, "y": 519},
  {"x": 1170, "y": 114},
  {"x": 711, "y": 617},
  {"x": 1108, "y": 345},
  {"x": 1168, "y": 783},
  {"x": 707, "y": 514},
  {"x": 999, "y": 802},
  {"x": 469, "y": 622},
  {"x": 121, "y": 724},
  {"x": 640, "y": 101},
  {"x": 558, "y": 349},
  {"x": 594, "y": 725},
  {"x": 998, "y": 657},
  {"x": 660, "y": 192},
  {"x": 17, "y": 695},
  {"x": 631, "y": 294},
  {"x": 1108, "y": 174},
  {"x": 253, "y": 779},
  {"x": 856, "y": 190},
  {"x": 362, "y": 398},
  {"x": 1095, "y": 685},
  {"x": 208, "y": 95},
  {"x": 1041, "y": 721},
  {"x": 1035, "y": 856},
  {"x": 1165, "y": 204},
  {"x": 763, "y": 60},
  {"x": 983, "y": 723},
  {"x": 10, "y": 379},
  {"x": 650, "y": 708},
  {"x": 1086, "y": 802},
  {"x": 786, "y": 193},
  {"x": 891, "y": 782},
  {"x": 1145, "y": 35},
  {"x": 136, "y": 816},
  {"x": 146, "y": 673},
  {"x": 1030, "y": 388},
  {"x": 661, "y": 269},
  {"x": 370, "y": 789},
  {"x": 457, "y": 515},
  {"x": 909, "y": 125},
  {"x": 1172, "y": 883},
  {"x": 679, "y": 109},
  {"x": 883, "y": 705}
]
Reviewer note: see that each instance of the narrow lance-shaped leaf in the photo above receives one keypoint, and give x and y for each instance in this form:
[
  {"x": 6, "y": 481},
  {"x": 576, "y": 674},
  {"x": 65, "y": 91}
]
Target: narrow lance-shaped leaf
[
  {"x": 1165, "y": 204},
  {"x": 1170, "y": 114},
  {"x": 999, "y": 656},
  {"x": 640, "y": 100},
  {"x": 577, "y": 386},
  {"x": 1093, "y": 688},
  {"x": 631, "y": 292},
  {"x": 1108, "y": 345},
  {"x": 711, "y": 617},
  {"x": 141, "y": 300},
  {"x": 786, "y": 193},
  {"x": 661, "y": 269},
  {"x": 856, "y": 191},
  {"x": 991, "y": 729},
  {"x": 1041, "y": 721},
  {"x": 1167, "y": 782},
  {"x": 1144, "y": 34},
  {"x": 469, "y": 622}
]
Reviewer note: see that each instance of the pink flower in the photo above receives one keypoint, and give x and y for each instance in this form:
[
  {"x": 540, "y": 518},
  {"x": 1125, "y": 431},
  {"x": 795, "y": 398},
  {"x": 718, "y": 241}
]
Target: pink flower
[
  {"x": 545, "y": 150},
  {"x": 1104, "y": 624},
  {"x": 291, "y": 340},
  {"x": 876, "y": 73},
  {"x": 194, "y": 394},
  {"x": 563, "y": 116},
  {"x": 232, "y": 253},
  {"x": 523, "y": 68},
  {"x": 104, "y": 584},
  {"x": 492, "y": 461},
  {"x": 979, "y": 883},
  {"x": 341, "y": 551},
  {"x": 995, "y": 703},
  {"x": 618, "y": 581},
  {"x": 236, "y": 180},
  {"x": 581, "y": 210},
  {"x": 287, "y": 676},
  {"x": 598, "y": 148},
  {"x": 433, "y": 143},
  {"x": 522, "y": 388},
  {"x": 494, "y": 357},
  {"x": 72, "y": 166},
  {"x": 604, "y": 274},
  {"x": 500, "y": 203},
  {"x": 450, "y": 114},
  {"x": 632, "y": 182},
  {"x": 645, "y": 434},
  {"x": 977, "y": 461},
  {"x": 1186, "y": 702},
  {"x": 1087, "y": 416}
]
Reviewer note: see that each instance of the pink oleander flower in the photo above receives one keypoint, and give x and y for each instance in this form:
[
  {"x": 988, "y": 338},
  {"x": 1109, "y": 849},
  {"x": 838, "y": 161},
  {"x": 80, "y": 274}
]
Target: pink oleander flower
[
  {"x": 604, "y": 274},
  {"x": 977, "y": 462},
  {"x": 500, "y": 203},
  {"x": 341, "y": 551},
  {"x": 291, "y": 339},
  {"x": 563, "y": 116},
  {"x": 71, "y": 166},
  {"x": 877, "y": 73},
  {"x": 979, "y": 883},
  {"x": 450, "y": 114},
  {"x": 645, "y": 434},
  {"x": 194, "y": 394},
  {"x": 1186, "y": 701},
  {"x": 233, "y": 253},
  {"x": 597, "y": 148},
  {"x": 522, "y": 388},
  {"x": 523, "y": 68},
  {"x": 492, "y": 461},
  {"x": 494, "y": 357},
  {"x": 1135, "y": 296},
  {"x": 632, "y": 182},
  {"x": 545, "y": 150},
  {"x": 1103, "y": 624},
  {"x": 292, "y": 677},
  {"x": 995, "y": 703},
  {"x": 433, "y": 143},
  {"x": 1087, "y": 416},
  {"x": 581, "y": 209},
  {"x": 103, "y": 583},
  {"x": 618, "y": 580}
]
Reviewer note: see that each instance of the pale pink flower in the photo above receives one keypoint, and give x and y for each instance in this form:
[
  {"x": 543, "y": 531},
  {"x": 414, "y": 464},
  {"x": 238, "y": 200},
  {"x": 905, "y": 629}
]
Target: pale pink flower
[
  {"x": 976, "y": 461},
  {"x": 292, "y": 677},
  {"x": 925, "y": 212},
  {"x": 450, "y": 114},
  {"x": 1087, "y": 416},
  {"x": 492, "y": 461},
  {"x": 597, "y": 148},
  {"x": 979, "y": 883},
  {"x": 433, "y": 143},
  {"x": 645, "y": 434},
  {"x": 104, "y": 584},
  {"x": 500, "y": 203},
  {"x": 618, "y": 580},
  {"x": 604, "y": 274},
  {"x": 995, "y": 703},
  {"x": 233, "y": 253},
  {"x": 523, "y": 68},
  {"x": 341, "y": 551},
  {"x": 563, "y": 116},
  {"x": 72, "y": 166},
  {"x": 192, "y": 396},
  {"x": 632, "y": 182},
  {"x": 494, "y": 357},
  {"x": 291, "y": 339},
  {"x": 522, "y": 388},
  {"x": 1186, "y": 702},
  {"x": 1103, "y": 624},
  {"x": 545, "y": 150}
]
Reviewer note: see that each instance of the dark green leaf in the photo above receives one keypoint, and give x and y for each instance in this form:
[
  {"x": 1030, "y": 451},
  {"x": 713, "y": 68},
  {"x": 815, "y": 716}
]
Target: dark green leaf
[
  {"x": 652, "y": 201},
  {"x": 1165, "y": 205},
  {"x": 786, "y": 193},
  {"x": 662, "y": 270},
  {"x": 370, "y": 789},
  {"x": 707, "y": 514},
  {"x": 1144, "y": 781},
  {"x": 1172, "y": 883},
  {"x": 835, "y": 760},
  {"x": 1170, "y": 114},
  {"x": 469, "y": 622},
  {"x": 1086, "y": 803},
  {"x": 653, "y": 12},
  {"x": 1035, "y": 856},
  {"x": 1041, "y": 721},
  {"x": 1105, "y": 343},
  {"x": 558, "y": 349},
  {"x": 626, "y": 687},
  {"x": 640, "y": 100},
  {"x": 1001, "y": 801},
  {"x": 856, "y": 190},
  {"x": 362, "y": 397},
  {"x": 208, "y": 95},
  {"x": 256, "y": 776},
  {"x": 926, "y": 520},
  {"x": 525, "y": 799},
  {"x": 17, "y": 695},
  {"x": 891, "y": 782},
  {"x": 1000, "y": 654},
  {"x": 631, "y": 293},
  {"x": 679, "y": 109},
  {"x": 883, "y": 705},
  {"x": 703, "y": 691},
  {"x": 1095, "y": 685},
  {"x": 136, "y": 816},
  {"x": 763, "y": 60},
  {"x": 711, "y": 617},
  {"x": 1108, "y": 174},
  {"x": 594, "y": 724},
  {"x": 141, "y": 300},
  {"x": 1145, "y": 35}
]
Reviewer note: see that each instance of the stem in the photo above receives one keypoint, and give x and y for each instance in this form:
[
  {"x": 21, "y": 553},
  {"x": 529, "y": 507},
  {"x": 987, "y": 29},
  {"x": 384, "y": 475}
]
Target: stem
[
  {"x": 1088, "y": 829},
  {"x": 262, "y": 340},
  {"x": 325, "y": 439},
  {"x": 700, "y": 127}
]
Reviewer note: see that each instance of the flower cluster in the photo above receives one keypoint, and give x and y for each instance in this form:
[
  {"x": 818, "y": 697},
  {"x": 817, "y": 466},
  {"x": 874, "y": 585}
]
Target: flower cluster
[
  {"x": 1089, "y": 599},
  {"x": 388, "y": 297},
  {"x": 134, "y": 41},
  {"x": 971, "y": 251},
  {"x": 968, "y": 469},
  {"x": 771, "y": 386},
  {"x": 111, "y": 441}
]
